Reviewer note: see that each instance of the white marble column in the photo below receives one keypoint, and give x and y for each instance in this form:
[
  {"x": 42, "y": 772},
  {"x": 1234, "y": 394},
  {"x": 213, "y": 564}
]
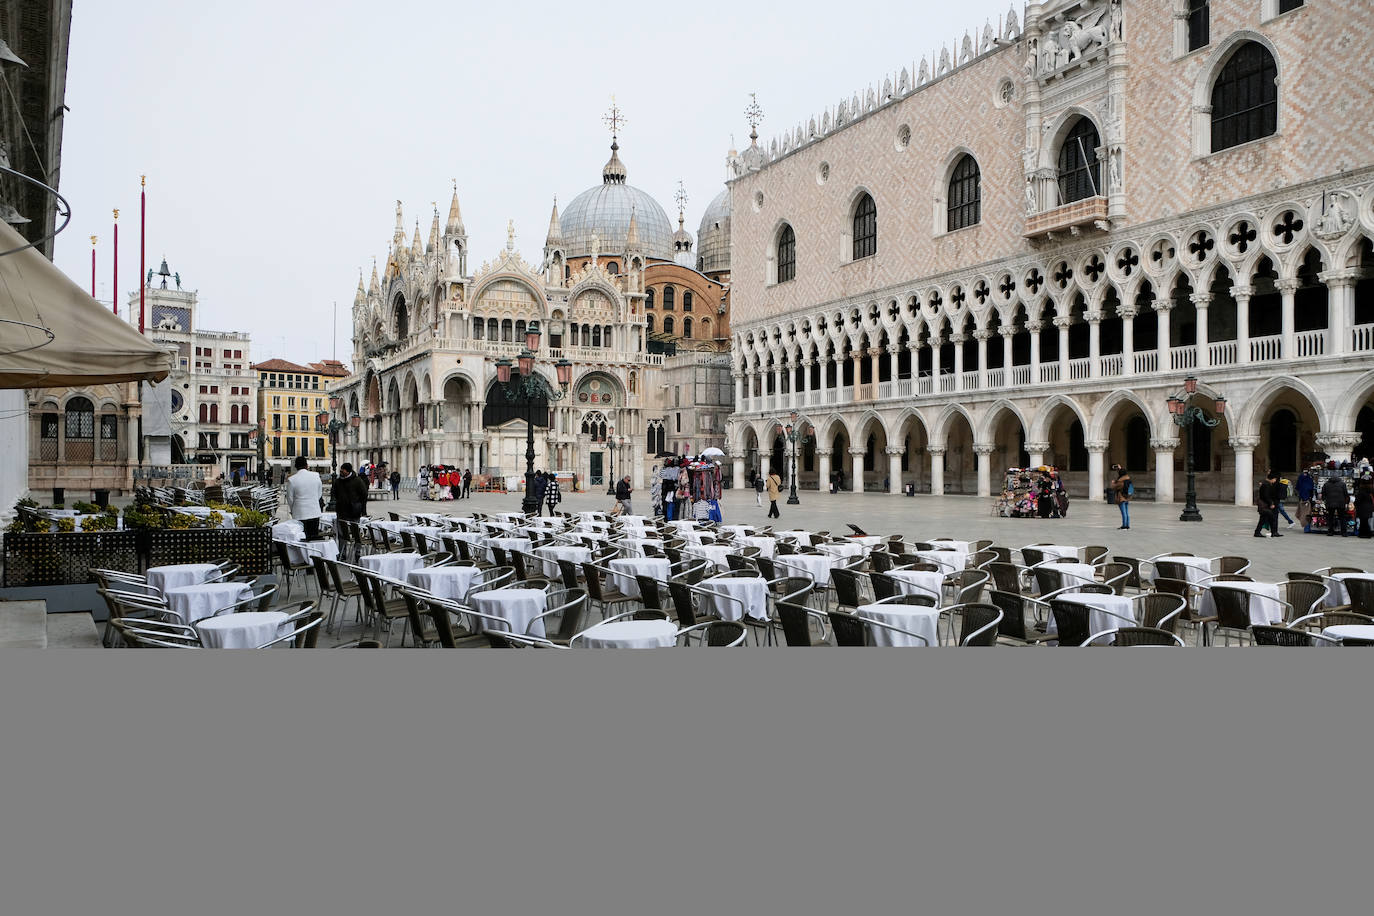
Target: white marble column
[
  {"x": 823, "y": 470},
  {"x": 856, "y": 467},
  {"x": 1244, "y": 447},
  {"x": 1033, "y": 328},
  {"x": 1339, "y": 445},
  {"x": 1242, "y": 296},
  {"x": 983, "y": 453},
  {"x": 739, "y": 391},
  {"x": 1164, "y": 468},
  {"x": 894, "y": 468},
  {"x": 1094, "y": 320},
  {"x": 1127, "y": 340},
  {"x": 1287, "y": 289},
  {"x": 937, "y": 469},
  {"x": 1096, "y": 449},
  {"x": 1340, "y": 309},
  {"x": 958, "y": 340},
  {"x": 1162, "y": 309},
  {"x": 1201, "y": 302},
  {"x": 1063, "y": 325},
  {"x": 1007, "y": 335},
  {"x": 981, "y": 335}
]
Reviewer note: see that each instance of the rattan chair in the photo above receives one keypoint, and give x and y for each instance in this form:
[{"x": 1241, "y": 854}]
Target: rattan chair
[
  {"x": 290, "y": 568},
  {"x": 977, "y": 623},
  {"x": 1232, "y": 565},
  {"x": 848, "y": 586},
  {"x": 603, "y": 597},
  {"x": 1285, "y": 636},
  {"x": 1133, "y": 579},
  {"x": 795, "y": 621},
  {"x": 1305, "y": 597},
  {"x": 571, "y": 605},
  {"x": 967, "y": 585},
  {"x": 1160, "y": 611},
  {"x": 1094, "y": 554},
  {"x": 1135, "y": 636},
  {"x": 720, "y": 633},
  {"x": 1233, "y": 619},
  {"x": 1006, "y": 577},
  {"x": 853, "y": 630},
  {"x": 1015, "y": 627},
  {"x": 1331, "y": 618},
  {"x": 1071, "y": 621}
]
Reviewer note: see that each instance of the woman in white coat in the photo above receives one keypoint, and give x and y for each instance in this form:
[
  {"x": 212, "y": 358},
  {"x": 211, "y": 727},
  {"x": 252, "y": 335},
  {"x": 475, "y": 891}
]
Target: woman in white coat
[{"x": 303, "y": 495}]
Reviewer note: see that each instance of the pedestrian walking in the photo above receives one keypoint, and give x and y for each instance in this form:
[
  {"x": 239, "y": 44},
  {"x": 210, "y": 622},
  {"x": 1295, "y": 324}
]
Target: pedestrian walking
[
  {"x": 1364, "y": 506},
  {"x": 1336, "y": 497},
  {"x": 622, "y": 496},
  {"x": 540, "y": 486},
  {"x": 350, "y": 501},
  {"x": 303, "y": 492},
  {"x": 395, "y": 485},
  {"x": 467, "y": 483},
  {"x": 758, "y": 491},
  {"x": 553, "y": 495},
  {"x": 1124, "y": 490},
  {"x": 774, "y": 491},
  {"x": 1281, "y": 491},
  {"x": 422, "y": 482},
  {"x": 1266, "y": 503},
  {"x": 1307, "y": 488}
]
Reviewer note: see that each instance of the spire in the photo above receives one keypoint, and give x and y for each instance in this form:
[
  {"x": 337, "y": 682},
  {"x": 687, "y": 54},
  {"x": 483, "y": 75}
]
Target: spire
[
  {"x": 361, "y": 294},
  {"x": 372, "y": 287},
  {"x": 455, "y": 216},
  {"x": 614, "y": 171},
  {"x": 417, "y": 247},
  {"x": 434, "y": 230},
  {"x": 632, "y": 234},
  {"x": 555, "y": 236}
]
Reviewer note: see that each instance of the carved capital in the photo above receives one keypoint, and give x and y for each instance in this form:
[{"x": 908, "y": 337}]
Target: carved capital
[
  {"x": 1096, "y": 445},
  {"x": 1244, "y": 443},
  {"x": 1164, "y": 305},
  {"x": 1063, "y": 322},
  {"x": 1037, "y": 448},
  {"x": 823, "y": 452},
  {"x": 1241, "y": 292},
  {"x": 1007, "y": 332},
  {"x": 858, "y": 452},
  {"x": 894, "y": 451},
  {"x": 1164, "y": 445},
  {"x": 1035, "y": 327},
  {"x": 1339, "y": 439},
  {"x": 935, "y": 450},
  {"x": 982, "y": 334},
  {"x": 1287, "y": 286},
  {"x": 957, "y": 338},
  {"x": 1202, "y": 300},
  {"x": 983, "y": 449}
]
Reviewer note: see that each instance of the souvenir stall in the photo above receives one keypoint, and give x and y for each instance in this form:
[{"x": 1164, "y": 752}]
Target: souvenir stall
[
  {"x": 1021, "y": 488},
  {"x": 698, "y": 490},
  {"x": 1321, "y": 473}
]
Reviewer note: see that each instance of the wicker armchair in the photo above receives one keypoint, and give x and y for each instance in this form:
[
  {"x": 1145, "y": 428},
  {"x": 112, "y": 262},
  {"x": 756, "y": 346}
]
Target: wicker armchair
[
  {"x": 848, "y": 588},
  {"x": 1285, "y": 636},
  {"x": 718, "y": 633},
  {"x": 1135, "y": 636},
  {"x": 1160, "y": 611},
  {"x": 1305, "y": 597},
  {"x": 1132, "y": 580},
  {"x": 1071, "y": 621},
  {"x": 1006, "y": 577},
  {"x": 795, "y": 620},
  {"x": 977, "y": 624},
  {"x": 1014, "y": 626}
]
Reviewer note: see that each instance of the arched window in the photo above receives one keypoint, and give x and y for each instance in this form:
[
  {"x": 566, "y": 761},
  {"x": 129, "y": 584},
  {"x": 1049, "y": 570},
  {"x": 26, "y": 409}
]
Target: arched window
[
  {"x": 80, "y": 430},
  {"x": 519, "y": 331},
  {"x": 706, "y": 330},
  {"x": 1245, "y": 98},
  {"x": 233, "y": 413},
  {"x": 47, "y": 431},
  {"x": 787, "y": 254},
  {"x": 492, "y": 331},
  {"x": 612, "y": 267},
  {"x": 1080, "y": 172},
  {"x": 649, "y": 324},
  {"x": 479, "y": 328},
  {"x": 606, "y": 337},
  {"x": 669, "y": 298},
  {"x": 507, "y": 330},
  {"x": 649, "y": 298},
  {"x": 214, "y": 413},
  {"x": 865, "y": 227},
  {"x": 687, "y": 327},
  {"x": 205, "y": 413},
  {"x": 964, "y": 204},
  {"x": 1199, "y": 24},
  {"x": 596, "y": 336},
  {"x": 686, "y": 300},
  {"x": 668, "y": 325},
  {"x": 402, "y": 318}
]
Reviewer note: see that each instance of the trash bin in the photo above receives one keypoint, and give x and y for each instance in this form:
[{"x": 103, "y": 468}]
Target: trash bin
[
  {"x": 102, "y": 498},
  {"x": 59, "y": 496}
]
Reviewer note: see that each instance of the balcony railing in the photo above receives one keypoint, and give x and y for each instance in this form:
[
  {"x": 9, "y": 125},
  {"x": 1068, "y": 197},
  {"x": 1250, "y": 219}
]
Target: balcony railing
[
  {"x": 1263, "y": 349},
  {"x": 1183, "y": 357},
  {"x": 1146, "y": 363},
  {"x": 905, "y": 387},
  {"x": 1085, "y": 212},
  {"x": 925, "y": 385},
  {"x": 1222, "y": 353},
  {"x": 1020, "y": 376},
  {"x": 969, "y": 380},
  {"x": 1310, "y": 343},
  {"x": 1362, "y": 338},
  {"x": 1111, "y": 364},
  {"x": 946, "y": 382},
  {"x": 864, "y": 392},
  {"x": 1080, "y": 368},
  {"x": 995, "y": 377},
  {"x": 1049, "y": 372}
]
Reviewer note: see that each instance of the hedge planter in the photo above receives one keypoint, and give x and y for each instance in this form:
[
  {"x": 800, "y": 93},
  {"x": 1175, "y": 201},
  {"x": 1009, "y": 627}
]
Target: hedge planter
[
  {"x": 66, "y": 558},
  {"x": 249, "y": 548}
]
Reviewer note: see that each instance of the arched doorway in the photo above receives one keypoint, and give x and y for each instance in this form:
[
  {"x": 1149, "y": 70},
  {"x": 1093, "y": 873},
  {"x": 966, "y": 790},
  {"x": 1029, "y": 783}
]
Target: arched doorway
[{"x": 1283, "y": 441}]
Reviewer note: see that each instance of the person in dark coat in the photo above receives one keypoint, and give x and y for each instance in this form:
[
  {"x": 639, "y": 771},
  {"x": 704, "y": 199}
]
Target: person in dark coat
[
  {"x": 553, "y": 494},
  {"x": 1336, "y": 497},
  {"x": 395, "y": 484},
  {"x": 467, "y": 483},
  {"x": 1266, "y": 504},
  {"x": 1307, "y": 488},
  {"x": 350, "y": 500},
  {"x": 1364, "y": 506},
  {"x": 540, "y": 486}
]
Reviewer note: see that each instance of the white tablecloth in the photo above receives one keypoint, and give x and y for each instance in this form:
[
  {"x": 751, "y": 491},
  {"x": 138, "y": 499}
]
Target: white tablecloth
[
  {"x": 389, "y": 526},
  {"x": 299, "y": 551},
  {"x": 959, "y": 549},
  {"x": 448, "y": 582},
  {"x": 1349, "y": 631},
  {"x": 844, "y": 549},
  {"x": 713, "y": 552},
  {"x": 920, "y": 620},
  {"x": 1264, "y": 601},
  {"x": 815, "y": 565},
  {"x": 509, "y": 516},
  {"x": 1195, "y": 569},
  {"x": 241, "y": 631},
  {"x": 636, "y": 545},
  {"x": 180, "y": 574},
  {"x": 768, "y": 547},
  {"x": 803, "y": 537},
  {"x": 625, "y": 569},
  {"x": 1073, "y": 574},
  {"x": 288, "y": 531},
  {"x": 1098, "y": 620},
  {"x": 392, "y": 565},
  {"x": 1336, "y": 596},
  {"x": 753, "y": 591},
  {"x": 631, "y": 634},
  {"x": 518, "y": 606},
  {"x": 920, "y": 582},
  {"x": 1060, "y": 552},
  {"x": 551, "y": 555},
  {"x": 948, "y": 560},
  {"x": 193, "y": 602},
  {"x": 507, "y": 544}
]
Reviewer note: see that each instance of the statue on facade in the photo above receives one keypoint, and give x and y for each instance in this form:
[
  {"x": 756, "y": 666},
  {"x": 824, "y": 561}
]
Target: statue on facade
[{"x": 1085, "y": 34}]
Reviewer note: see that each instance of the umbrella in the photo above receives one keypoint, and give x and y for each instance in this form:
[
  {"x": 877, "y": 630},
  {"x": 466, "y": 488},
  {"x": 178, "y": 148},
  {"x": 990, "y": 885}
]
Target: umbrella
[{"x": 713, "y": 452}]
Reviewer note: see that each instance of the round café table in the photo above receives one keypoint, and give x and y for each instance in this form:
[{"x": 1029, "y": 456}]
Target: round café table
[
  {"x": 248, "y": 630},
  {"x": 923, "y": 621},
  {"x": 179, "y": 575},
  {"x": 630, "y": 634},
  {"x": 195, "y": 602}
]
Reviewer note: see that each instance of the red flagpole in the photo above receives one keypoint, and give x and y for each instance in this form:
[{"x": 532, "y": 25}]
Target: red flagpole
[
  {"x": 115, "y": 297},
  {"x": 142, "y": 240},
  {"x": 92, "y": 267}
]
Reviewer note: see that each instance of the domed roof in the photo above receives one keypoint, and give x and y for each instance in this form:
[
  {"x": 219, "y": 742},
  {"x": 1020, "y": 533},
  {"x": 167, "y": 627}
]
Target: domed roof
[
  {"x": 713, "y": 236},
  {"x": 604, "y": 211}
]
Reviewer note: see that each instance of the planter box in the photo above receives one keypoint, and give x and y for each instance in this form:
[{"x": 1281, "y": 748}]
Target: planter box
[
  {"x": 250, "y": 548},
  {"x": 39, "y": 559}
]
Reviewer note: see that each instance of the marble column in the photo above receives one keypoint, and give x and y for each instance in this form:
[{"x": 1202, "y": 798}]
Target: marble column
[
  {"x": 958, "y": 340},
  {"x": 981, "y": 335},
  {"x": 894, "y": 468},
  {"x": 1201, "y": 301},
  {"x": 1242, "y": 296},
  {"x": 1340, "y": 309},
  {"x": 1162, "y": 309},
  {"x": 856, "y": 467},
  {"x": 1287, "y": 289},
  {"x": 983, "y": 453},
  {"x": 1127, "y": 340},
  {"x": 873, "y": 356},
  {"x": 1339, "y": 445},
  {"x": 765, "y": 458},
  {"x": 1094, "y": 344},
  {"x": 1007, "y": 335},
  {"x": 1033, "y": 328},
  {"x": 1096, "y": 448},
  {"x": 1164, "y": 468},
  {"x": 1244, "y": 447},
  {"x": 1035, "y": 453},
  {"x": 739, "y": 391},
  {"x": 823, "y": 470},
  {"x": 1063, "y": 325},
  {"x": 804, "y": 400},
  {"x": 937, "y": 469}
]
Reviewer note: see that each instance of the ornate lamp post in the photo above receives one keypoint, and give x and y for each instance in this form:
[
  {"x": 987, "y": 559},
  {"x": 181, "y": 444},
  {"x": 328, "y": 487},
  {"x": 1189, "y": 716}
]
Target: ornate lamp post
[
  {"x": 331, "y": 426},
  {"x": 259, "y": 433},
  {"x": 1184, "y": 415},
  {"x": 528, "y": 387},
  {"x": 791, "y": 430},
  {"x": 610, "y": 447}
]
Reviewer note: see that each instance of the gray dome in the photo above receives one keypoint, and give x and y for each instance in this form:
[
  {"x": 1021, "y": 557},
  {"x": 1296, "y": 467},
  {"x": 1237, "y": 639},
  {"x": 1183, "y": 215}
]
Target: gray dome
[
  {"x": 713, "y": 236},
  {"x": 605, "y": 211}
]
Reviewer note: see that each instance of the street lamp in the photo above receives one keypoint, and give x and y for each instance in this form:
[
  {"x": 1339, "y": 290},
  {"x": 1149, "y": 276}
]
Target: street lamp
[
  {"x": 1184, "y": 416},
  {"x": 259, "y": 433},
  {"x": 791, "y": 430},
  {"x": 528, "y": 387},
  {"x": 610, "y": 446},
  {"x": 327, "y": 423}
]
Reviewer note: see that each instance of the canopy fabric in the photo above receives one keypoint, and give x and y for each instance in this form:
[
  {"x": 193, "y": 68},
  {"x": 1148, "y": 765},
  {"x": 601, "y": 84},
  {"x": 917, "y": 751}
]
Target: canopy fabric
[{"x": 90, "y": 345}]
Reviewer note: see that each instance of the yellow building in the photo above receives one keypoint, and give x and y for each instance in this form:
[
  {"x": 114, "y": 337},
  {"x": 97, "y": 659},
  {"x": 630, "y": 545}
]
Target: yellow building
[{"x": 290, "y": 399}]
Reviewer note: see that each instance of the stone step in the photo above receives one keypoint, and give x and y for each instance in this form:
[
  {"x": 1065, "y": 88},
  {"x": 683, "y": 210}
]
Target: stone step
[
  {"x": 73, "y": 631},
  {"x": 23, "y": 624}
]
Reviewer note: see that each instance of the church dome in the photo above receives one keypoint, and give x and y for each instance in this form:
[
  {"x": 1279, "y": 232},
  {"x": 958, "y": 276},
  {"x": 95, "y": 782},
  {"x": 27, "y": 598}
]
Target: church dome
[
  {"x": 713, "y": 236},
  {"x": 604, "y": 211}
]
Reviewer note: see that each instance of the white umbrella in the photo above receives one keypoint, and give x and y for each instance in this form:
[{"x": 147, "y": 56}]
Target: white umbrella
[{"x": 713, "y": 452}]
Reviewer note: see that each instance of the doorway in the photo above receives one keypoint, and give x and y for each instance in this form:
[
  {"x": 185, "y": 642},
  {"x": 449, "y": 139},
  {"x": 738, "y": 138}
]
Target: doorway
[{"x": 596, "y": 471}]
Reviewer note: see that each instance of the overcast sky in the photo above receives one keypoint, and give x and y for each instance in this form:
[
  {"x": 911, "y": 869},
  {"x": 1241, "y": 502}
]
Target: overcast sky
[{"x": 277, "y": 137}]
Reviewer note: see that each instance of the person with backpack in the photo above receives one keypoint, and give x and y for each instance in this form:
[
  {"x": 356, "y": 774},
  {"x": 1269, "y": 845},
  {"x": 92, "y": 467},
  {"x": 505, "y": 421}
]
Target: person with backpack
[
  {"x": 1307, "y": 488},
  {"x": 774, "y": 491},
  {"x": 395, "y": 485},
  {"x": 553, "y": 494},
  {"x": 758, "y": 490},
  {"x": 1123, "y": 490}
]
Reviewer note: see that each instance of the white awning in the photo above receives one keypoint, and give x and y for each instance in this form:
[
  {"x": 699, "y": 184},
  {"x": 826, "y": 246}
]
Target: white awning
[{"x": 53, "y": 334}]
